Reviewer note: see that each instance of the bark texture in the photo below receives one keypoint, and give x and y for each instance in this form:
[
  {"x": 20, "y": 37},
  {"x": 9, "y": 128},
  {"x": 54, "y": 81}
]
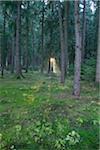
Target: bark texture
[
  {"x": 42, "y": 40},
  {"x": 83, "y": 30},
  {"x": 66, "y": 3},
  {"x": 76, "y": 88},
  {"x": 98, "y": 51},
  {"x": 18, "y": 26},
  {"x": 12, "y": 53},
  {"x": 62, "y": 45},
  {"x": 27, "y": 39},
  {"x": 3, "y": 43}
]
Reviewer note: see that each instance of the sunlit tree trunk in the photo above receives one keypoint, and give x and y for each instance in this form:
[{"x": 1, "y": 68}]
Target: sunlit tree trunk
[
  {"x": 76, "y": 88},
  {"x": 83, "y": 30},
  {"x": 98, "y": 51},
  {"x": 62, "y": 45}
]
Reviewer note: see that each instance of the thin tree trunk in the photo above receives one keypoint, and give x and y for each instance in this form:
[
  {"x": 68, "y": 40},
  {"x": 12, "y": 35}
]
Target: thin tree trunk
[
  {"x": 8, "y": 58},
  {"x": 50, "y": 48},
  {"x": 42, "y": 40},
  {"x": 76, "y": 88},
  {"x": 27, "y": 39},
  {"x": 98, "y": 51},
  {"x": 33, "y": 53},
  {"x": 18, "y": 26},
  {"x": 66, "y": 3},
  {"x": 83, "y": 30},
  {"x": 62, "y": 46},
  {"x": 0, "y": 48},
  {"x": 49, "y": 66},
  {"x": 3, "y": 45},
  {"x": 12, "y": 53}
]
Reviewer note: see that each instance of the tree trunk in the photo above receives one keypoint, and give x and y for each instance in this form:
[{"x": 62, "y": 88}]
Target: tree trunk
[
  {"x": 62, "y": 46},
  {"x": 66, "y": 3},
  {"x": 3, "y": 44},
  {"x": 98, "y": 51},
  {"x": 76, "y": 88},
  {"x": 27, "y": 40},
  {"x": 83, "y": 30},
  {"x": 42, "y": 40},
  {"x": 0, "y": 51},
  {"x": 12, "y": 53},
  {"x": 49, "y": 66},
  {"x": 33, "y": 52},
  {"x": 18, "y": 26}
]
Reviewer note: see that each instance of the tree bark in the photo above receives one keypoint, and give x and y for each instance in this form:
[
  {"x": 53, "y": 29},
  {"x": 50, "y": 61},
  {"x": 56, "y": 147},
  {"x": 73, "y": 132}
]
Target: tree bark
[
  {"x": 3, "y": 44},
  {"x": 27, "y": 40},
  {"x": 76, "y": 87},
  {"x": 12, "y": 53},
  {"x": 42, "y": 40},
  {"x": 66, "y": 3},
  {"x": 98, "y": 51},
  {"x": 18, "y": 26},
  {"x": 49, "y": 66},
  {"x": 83, "y": 30},
  {"x": 62, "y": 45},
  {"x": 33, "y": 44}
]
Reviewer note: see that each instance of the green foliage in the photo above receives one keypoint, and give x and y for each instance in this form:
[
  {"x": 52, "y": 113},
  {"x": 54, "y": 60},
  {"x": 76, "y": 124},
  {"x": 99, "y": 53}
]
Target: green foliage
[
  {"x": 73, "y": 138},
  {"x": 71, "y": 69},
  {"x": 88, "y": 69}
]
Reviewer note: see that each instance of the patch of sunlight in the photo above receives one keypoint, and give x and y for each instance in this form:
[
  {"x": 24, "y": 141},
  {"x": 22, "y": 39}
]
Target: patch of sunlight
[
  {"x": 35, "y": 87},
  {"x": 30, "y": 99},
  {"x": 98, "y": 103},
  {"x": 49, "y": 86},
  {"x": 62, "y": 87},
  {"x": 54, "y": 65},
  {"x": 25, "y": 94}
]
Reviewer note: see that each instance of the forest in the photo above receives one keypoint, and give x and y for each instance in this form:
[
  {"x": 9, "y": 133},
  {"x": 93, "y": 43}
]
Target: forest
[{"x": 49, "y": 74}]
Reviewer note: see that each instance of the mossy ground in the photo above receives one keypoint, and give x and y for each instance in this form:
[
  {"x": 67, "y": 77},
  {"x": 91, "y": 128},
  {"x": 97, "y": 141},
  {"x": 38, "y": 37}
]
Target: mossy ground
[{"x": 42, "y": 97}]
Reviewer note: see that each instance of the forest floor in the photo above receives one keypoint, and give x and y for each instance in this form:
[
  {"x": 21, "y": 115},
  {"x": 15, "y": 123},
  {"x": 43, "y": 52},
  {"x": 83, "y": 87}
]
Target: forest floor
[{"x": 38, "y": 113}]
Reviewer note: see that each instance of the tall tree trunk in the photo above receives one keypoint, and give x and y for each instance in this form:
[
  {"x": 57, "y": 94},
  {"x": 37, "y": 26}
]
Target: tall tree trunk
[
  {"x": 76, "y": 88},
  {"x": 3, "y": 44},
  {"x": 62, "y": 45},
  {"x": 27, "y": 39},
  {"x": 12, "y": 53},
  {"x": 42, "y": 40},
  {"x": 51, "y": 46},
  {"x": 33, "y": 52},
  {"x": 0, "y": 48},
  {"x": 83, "y": 30},
  {"x": 98, "y": 51},
  {"x": 18, "y": 26},
  {"x": 66, "y": 3}
]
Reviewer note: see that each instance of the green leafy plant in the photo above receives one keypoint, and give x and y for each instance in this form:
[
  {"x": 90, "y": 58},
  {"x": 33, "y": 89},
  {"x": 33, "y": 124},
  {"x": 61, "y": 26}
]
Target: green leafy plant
[
  {"x": 60, "y": 144},
  {"x": 73, "y": 137}
]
